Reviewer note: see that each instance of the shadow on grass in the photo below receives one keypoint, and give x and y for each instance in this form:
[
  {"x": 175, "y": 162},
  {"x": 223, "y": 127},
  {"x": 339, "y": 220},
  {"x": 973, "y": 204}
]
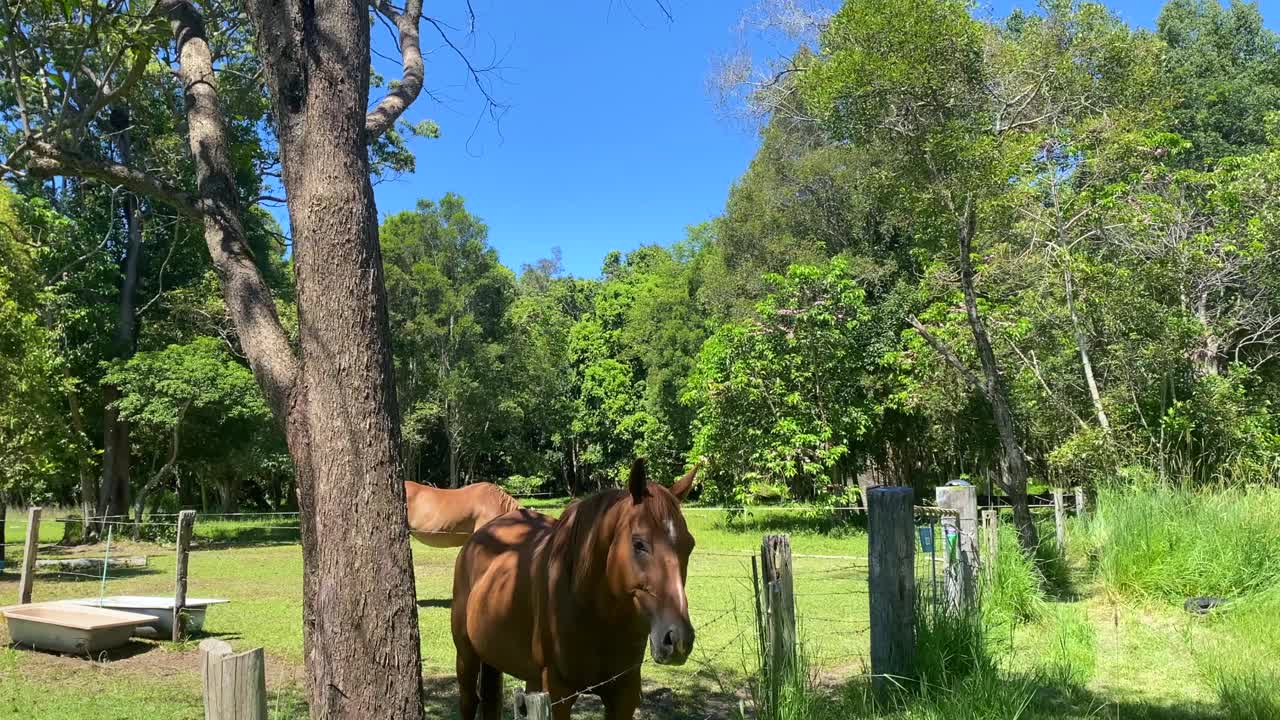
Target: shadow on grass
[
  {"x": 445, "y": 603},
  {"x": 697, "y": 700},
  {"x": 247, "y": 536},
  {"x": 72, "y": 577},
  {"x": 131, "y": 649}
]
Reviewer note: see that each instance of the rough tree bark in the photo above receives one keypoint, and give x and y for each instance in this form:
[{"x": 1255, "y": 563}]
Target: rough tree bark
[
  {"x": 336, "y": 397},
  {"x": 337, "y": 400},
  {"x": 1013, "y": 463}
]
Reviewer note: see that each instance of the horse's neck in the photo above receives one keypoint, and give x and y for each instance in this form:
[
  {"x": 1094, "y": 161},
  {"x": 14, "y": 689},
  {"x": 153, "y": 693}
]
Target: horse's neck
[{"x": 580, "y": 544}]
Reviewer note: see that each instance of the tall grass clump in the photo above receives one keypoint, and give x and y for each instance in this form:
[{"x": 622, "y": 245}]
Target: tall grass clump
[
  {"x": 1160, "y": 542},
  {"x": 1012, "y": 594},
  {"x": 949, "y": 646},
  {"x": 955, "y": 677},
  {"x": 790, "y": 692}
]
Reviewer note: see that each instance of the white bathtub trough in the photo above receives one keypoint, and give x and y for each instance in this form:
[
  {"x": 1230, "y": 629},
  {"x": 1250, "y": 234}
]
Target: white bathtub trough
[
  {"x": 159, "y": 611},
  {"x": 70, "y": 629}
]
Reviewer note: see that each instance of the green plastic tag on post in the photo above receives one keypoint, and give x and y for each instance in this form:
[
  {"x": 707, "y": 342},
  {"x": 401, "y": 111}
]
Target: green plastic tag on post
[{"x": 952, "y": 536}]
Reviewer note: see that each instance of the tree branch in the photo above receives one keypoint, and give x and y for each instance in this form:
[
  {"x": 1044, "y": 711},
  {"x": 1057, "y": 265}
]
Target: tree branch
[
  {"x": 391, "y": 107},
  {"x": 949, "y": 355},
  {"x": 48, "y": 160}
]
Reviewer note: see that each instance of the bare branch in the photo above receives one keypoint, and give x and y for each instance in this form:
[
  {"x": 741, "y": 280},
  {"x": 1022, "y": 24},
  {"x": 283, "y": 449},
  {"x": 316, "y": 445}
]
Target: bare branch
[
  {"x": 477, "y": 74},
  {"x": 391, "y": 107},
  {"x": 949, "y": 355}
]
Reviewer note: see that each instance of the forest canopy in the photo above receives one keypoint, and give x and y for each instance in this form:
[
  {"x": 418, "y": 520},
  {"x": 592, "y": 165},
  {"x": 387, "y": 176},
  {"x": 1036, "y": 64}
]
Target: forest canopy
[{"x": 1043, "y": 249}]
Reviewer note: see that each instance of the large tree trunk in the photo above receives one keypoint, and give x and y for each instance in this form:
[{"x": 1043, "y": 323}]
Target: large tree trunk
[
  {"x": 336, "y": 399},
  {"x": 337, "y": 402},
  {"x": 1013, "y": 463},
  {"x": 360, "y": 629},
  {"x": 113, "y": 497}
]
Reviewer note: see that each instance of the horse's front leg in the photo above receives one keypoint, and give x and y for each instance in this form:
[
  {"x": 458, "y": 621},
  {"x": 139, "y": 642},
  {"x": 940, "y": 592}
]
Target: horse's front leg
[
  {"x": 622, "y": 697},
  {"x": 562, "y": 699}
]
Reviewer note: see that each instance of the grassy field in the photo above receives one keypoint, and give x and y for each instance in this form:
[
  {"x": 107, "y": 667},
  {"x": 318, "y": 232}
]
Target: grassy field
[{"x": 1094, "y": 649}]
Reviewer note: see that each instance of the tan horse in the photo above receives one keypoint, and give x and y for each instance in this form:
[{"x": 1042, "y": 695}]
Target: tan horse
[
  {"x": 446, "y": 518},
  {"x": 567, "y": 605}
]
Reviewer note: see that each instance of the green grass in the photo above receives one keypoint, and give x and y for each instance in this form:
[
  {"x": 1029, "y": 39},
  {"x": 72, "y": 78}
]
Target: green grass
[
  {"x": 1117, "y": 646},
  {"x": 1168, "y": 544},
  {"x": 258, "y": 566}
]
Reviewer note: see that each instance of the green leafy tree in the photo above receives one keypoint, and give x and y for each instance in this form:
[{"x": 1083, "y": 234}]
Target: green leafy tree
[
  {"x": 449, "y": 298},
  {"x": 781, "y": 397},
  {"x": 195, "y": 395}
]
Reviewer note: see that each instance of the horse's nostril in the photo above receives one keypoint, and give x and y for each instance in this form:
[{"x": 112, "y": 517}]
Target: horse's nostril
[{"x": 669, "y": 639}]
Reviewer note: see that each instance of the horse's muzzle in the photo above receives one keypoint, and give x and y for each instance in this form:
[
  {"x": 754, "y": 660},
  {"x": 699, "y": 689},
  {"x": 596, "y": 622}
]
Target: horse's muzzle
[{"x": 671, "y": 643}]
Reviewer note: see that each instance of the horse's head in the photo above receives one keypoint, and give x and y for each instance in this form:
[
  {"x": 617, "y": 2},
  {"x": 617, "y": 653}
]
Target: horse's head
[{"x": 649, "y": 560}]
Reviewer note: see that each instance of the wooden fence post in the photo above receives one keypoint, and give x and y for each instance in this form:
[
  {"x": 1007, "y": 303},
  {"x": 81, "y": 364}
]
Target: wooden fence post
[
  {"x": 891, "y": 583},
  {"x": 991, "y": 539},
  {"x": 1060, "y": 520},
  {"x": 186, "y": 519},
  {"x": 532, "y": 706},
  {"x": 779, "y": 604},
  {"x": 960, "y": 544},
  {"x": 1081, "y": 510},
  {"x": 29, "y": 556},
  {"x": 235, "y": 684}
]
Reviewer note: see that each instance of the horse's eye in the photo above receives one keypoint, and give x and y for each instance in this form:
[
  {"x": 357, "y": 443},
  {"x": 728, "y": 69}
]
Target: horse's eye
[{"x": 639, "y": 545}]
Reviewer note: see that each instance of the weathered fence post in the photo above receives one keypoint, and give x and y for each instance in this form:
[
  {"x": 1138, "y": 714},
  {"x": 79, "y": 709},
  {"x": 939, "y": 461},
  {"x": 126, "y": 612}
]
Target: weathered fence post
[
  {"x": 532, "y": 706},
  {"x": 779, "y": 604},
  {"x": 991, "y": 538},
  {"x": 891, "y": 583},
  {"x": 1060, "y": 520},
  {"x": 235, "y": 684},
  {"x": 1081, "y": 510},
  {"x": 960, "y": 544},
  {"x": 186, "y": 519},
  {"x": 29, "y": 556}
]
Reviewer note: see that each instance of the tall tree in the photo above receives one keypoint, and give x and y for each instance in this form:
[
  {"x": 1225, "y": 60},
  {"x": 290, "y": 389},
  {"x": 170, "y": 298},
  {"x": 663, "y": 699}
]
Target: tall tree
[
  {"x": 335, "y": 395},
  {"x": 954, "y": 109},
  {"x": 449, "y": 299}
]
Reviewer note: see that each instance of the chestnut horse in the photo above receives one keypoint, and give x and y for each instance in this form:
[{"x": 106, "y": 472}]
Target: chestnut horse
[
  {"x": 446, "y": 518},
  {"x": 567, "y": 605}
]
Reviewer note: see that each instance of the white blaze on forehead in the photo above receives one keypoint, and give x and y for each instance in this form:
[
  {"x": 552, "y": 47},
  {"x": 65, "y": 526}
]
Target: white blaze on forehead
[{"x": 671, "y": 529}]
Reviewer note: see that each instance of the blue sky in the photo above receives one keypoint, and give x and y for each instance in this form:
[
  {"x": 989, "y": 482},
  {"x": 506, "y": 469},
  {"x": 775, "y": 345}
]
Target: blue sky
[{"x": 610, "y": 139}]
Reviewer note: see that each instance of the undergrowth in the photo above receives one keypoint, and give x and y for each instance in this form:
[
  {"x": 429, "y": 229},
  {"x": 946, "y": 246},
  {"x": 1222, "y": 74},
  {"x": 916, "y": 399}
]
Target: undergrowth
[{"x": 1163, "y": 543}]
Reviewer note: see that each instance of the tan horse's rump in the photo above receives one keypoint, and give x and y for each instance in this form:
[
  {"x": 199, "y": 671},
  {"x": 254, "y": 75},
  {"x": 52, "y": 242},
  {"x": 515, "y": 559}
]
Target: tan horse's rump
[
  {"x": 446, "y": 518},
  {"x": 567, "y": 605}
]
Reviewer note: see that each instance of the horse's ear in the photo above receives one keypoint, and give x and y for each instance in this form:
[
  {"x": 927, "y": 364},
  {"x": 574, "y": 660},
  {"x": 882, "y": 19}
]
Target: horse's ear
[
  {"x": 638, "y": 483},
  {"x": 685, "y": 484}
]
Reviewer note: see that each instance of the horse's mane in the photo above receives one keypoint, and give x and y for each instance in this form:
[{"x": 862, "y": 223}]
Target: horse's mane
[{"x": 505, "y": 500}]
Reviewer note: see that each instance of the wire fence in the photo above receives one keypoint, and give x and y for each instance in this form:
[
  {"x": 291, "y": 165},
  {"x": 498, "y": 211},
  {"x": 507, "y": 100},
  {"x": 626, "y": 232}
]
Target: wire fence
[{"x": 830, "y": 580}]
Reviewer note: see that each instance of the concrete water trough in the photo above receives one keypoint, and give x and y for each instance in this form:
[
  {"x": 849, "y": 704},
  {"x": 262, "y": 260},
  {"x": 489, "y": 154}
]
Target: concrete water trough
[
  {"x": 70, "y": 628},
  {"x": 159, "y": 611}
]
